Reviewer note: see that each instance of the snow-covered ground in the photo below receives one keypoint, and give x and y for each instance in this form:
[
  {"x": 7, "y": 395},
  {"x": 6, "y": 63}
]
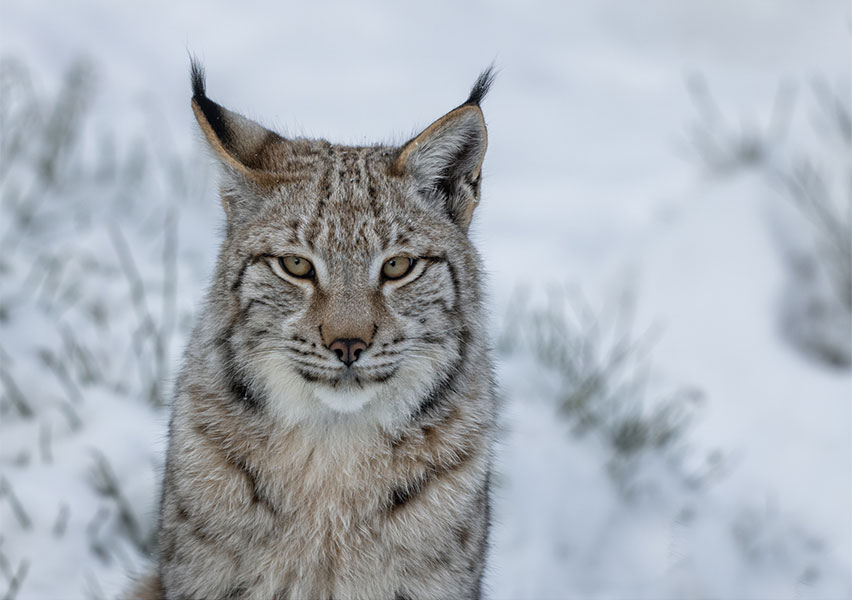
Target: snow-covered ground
[{"x": 593, "y": 181}]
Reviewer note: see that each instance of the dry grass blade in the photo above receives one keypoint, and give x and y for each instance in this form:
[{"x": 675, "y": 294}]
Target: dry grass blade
[
  {"x": 17, "y": 580},
  {"x": 8, "y": 493},
  {"x": 147, "y": 329},
  {"x": 105, "y": 482},
  {"x": 15, "y": 395}
]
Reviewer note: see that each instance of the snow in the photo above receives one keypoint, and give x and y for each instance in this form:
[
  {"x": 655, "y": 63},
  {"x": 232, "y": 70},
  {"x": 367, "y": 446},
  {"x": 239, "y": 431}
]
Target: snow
[{"x": 591, "y": 181}]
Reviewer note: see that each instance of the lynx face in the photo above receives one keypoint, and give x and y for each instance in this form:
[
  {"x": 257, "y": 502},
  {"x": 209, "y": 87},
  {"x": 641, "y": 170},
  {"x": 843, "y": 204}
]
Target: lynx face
[
  {"x": 334, "y": 323},
  {"x": 347, "y": 267}
]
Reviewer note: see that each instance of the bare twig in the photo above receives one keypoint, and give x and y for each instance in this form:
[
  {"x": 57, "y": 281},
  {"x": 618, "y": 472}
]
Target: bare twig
[
  {"x": 74, "y": 421},
  {"x": 62, "y": 375},
  {"x": 14, "y": 394},
  {"x": 61, "y": 523},
  {"x": 93, "y": 532},
  {"x": 17, "y": 580},
  {"x": 18, "y": 112},
  {"x": 5, "y": 565},
  {"x": 44, "y": 441},
  {"x": 89, "y": 370},
  {"x": 106, "y": 483},
  {"x": 17, "y": 508},
  {"x": 147, "y": 326},
  {"x": 62, "y": 125},
  {"x": 168, "y": 315}
]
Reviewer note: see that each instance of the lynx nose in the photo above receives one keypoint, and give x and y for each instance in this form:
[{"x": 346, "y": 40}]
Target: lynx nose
[{"x": 348, "y": 350}]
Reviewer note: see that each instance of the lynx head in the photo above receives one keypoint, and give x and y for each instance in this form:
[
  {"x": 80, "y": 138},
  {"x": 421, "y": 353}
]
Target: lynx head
[{"x": 346, "y": 286}]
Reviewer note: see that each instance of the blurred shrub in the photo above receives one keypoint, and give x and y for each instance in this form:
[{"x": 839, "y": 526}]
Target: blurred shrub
[
  {"x": 89, "y": 320},
  {"x": 814, "y": 176},
  {"x": 605, "y": 381},
  {"x": 816, "y": 312}
]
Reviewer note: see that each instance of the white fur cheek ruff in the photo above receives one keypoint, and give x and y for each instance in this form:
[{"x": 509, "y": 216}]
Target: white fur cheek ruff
[
  {"x": 294, "y": 401},
  {"x": 346, "y": 400},
  {"x": 289, "y": 397}
]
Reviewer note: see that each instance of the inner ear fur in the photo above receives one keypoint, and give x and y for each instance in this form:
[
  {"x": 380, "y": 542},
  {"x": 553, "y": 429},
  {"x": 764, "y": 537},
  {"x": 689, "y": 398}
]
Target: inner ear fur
[{"x": 446, "y": 160}]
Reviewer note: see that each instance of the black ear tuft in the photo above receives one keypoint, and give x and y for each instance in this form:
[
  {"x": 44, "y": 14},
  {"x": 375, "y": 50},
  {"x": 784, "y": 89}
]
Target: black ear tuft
[
  {"x": 246, "y": 148},
  {"x": 197, "y": 77},
  {"x": 482, "y": 85},
  {"x": 214, "y": 113}
]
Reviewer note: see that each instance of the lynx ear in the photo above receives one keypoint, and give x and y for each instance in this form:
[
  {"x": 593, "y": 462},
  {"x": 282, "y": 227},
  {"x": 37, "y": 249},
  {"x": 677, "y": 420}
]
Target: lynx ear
[
  {"x": 243, "y": 146},
  {"x": 446, "y": 158}
]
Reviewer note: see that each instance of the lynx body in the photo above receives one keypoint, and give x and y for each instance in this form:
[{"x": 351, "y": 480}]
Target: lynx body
[{"x": 332, "y": 427}]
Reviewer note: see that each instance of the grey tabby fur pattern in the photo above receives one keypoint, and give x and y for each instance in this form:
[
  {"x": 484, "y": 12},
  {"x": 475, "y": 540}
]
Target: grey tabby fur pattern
[{"x": 333, "y": 422}]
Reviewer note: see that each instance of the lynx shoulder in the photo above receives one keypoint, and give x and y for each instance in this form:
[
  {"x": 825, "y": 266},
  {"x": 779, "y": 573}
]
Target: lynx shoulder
[{"x": 332, "y": 426}]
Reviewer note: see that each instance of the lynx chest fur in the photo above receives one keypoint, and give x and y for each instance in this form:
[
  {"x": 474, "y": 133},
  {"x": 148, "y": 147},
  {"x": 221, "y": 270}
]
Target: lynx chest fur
[{"x": 332, "y": 425}]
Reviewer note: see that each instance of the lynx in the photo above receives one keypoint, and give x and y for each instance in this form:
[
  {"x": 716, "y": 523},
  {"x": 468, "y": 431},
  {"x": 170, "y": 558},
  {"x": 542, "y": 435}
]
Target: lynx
[{"x": 332, "y": 426}]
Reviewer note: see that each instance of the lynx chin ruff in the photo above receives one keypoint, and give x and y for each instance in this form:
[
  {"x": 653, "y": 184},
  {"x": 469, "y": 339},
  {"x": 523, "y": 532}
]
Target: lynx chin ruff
[{"x": 332, "y": 427}]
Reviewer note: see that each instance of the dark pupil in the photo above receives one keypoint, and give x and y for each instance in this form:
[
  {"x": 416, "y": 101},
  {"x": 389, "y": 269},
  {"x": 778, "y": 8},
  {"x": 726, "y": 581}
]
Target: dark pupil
[
  {"x": 296, "y": 261},
  {"x": 392, "y": 263}
]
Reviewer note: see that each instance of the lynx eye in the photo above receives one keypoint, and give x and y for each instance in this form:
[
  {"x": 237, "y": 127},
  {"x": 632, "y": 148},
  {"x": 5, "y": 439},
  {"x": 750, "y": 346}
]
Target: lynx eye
[
  {"x": 397, "y": 267},
  {"x": 296, "y": 266}
]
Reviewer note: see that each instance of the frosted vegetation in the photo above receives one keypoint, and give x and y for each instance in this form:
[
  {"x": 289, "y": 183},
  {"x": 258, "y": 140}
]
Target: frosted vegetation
[
  {"x": 607, "y": 485},
  {"x": 816, "y": 182}
]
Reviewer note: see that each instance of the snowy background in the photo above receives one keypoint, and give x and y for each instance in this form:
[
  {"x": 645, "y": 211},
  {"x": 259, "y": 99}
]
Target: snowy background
[{"x": 665, "y": 225}]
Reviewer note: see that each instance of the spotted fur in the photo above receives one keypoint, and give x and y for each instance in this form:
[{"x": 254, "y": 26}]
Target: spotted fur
[{"x": 290, "y": 474}]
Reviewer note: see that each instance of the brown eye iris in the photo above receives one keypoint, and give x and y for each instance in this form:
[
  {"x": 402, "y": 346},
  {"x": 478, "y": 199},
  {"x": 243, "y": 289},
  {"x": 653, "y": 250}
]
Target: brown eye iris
[
  {"x": 396, "y": 267},
  {"x": 296, "y": 266}
]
